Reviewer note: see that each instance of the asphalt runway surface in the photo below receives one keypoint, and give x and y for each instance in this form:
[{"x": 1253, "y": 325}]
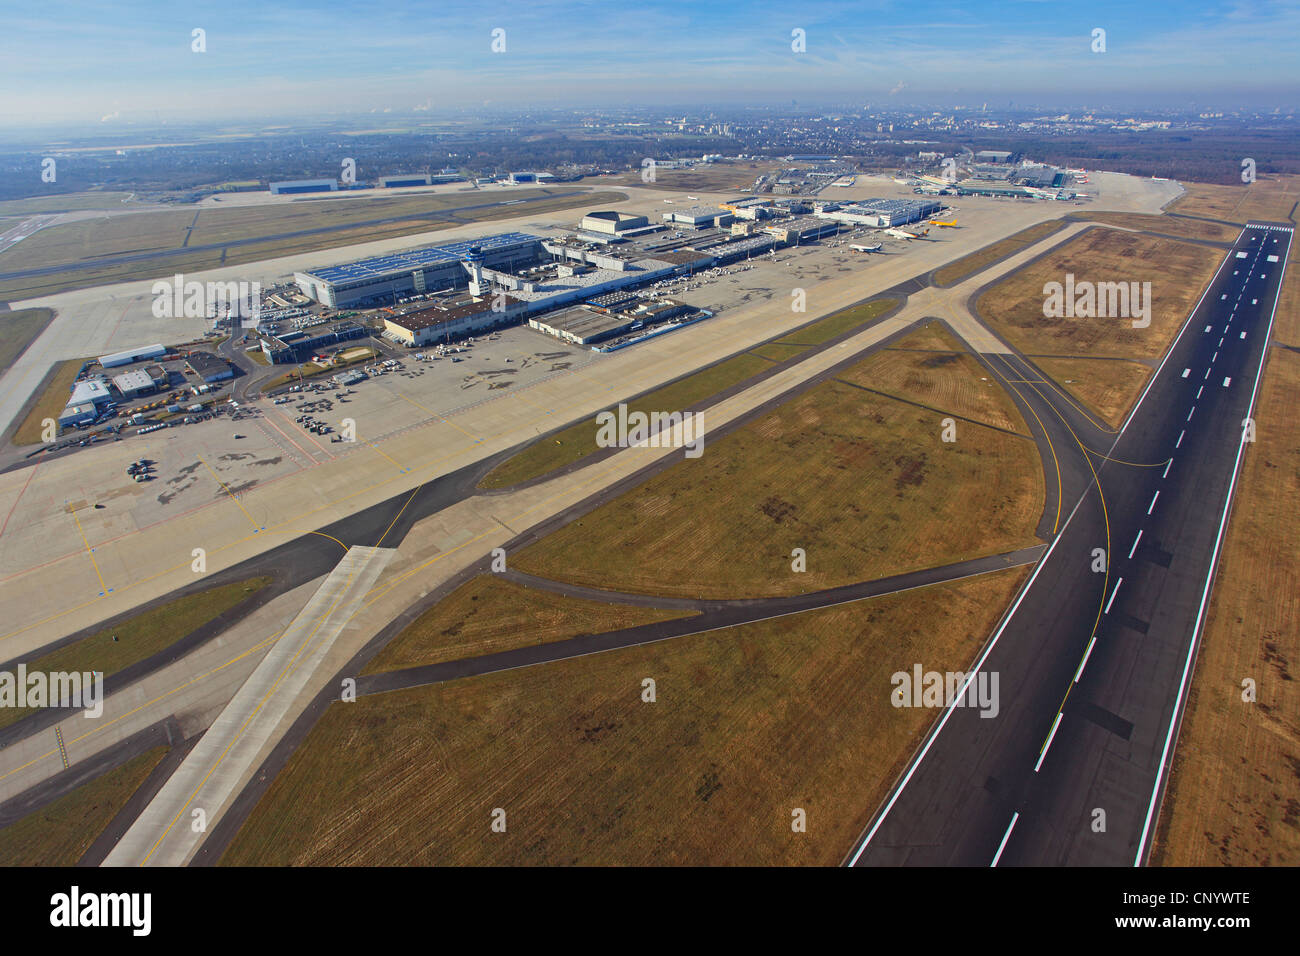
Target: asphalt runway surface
[{"x": 1094, "y": 665}]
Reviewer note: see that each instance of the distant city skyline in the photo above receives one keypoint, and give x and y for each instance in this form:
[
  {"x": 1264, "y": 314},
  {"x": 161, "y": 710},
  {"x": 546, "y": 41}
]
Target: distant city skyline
[{"x": 130, "y": 62}]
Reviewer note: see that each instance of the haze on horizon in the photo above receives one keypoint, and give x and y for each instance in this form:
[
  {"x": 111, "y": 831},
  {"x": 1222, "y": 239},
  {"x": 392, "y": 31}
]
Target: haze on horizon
[{"x": 92, "y": 65}]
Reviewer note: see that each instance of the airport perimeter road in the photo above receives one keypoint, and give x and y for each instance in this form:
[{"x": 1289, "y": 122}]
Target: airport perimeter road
[
  {"x": 1094, "y": 667},
  {"x": 164, "y": 834}
]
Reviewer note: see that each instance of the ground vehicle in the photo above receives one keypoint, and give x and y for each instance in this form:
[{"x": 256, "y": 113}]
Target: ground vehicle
[{"x": 237, "y": 435}]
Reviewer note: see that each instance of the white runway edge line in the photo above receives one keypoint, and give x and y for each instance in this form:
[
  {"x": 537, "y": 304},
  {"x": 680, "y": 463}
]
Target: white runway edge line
[
  {"x": 1005, "y": 837},
  {"x": 1050, "y": 737},
  {"x": 1226, "y": 259},
  {"x": 952, "y": 705},
  {"x": 1193, "y": 643}
]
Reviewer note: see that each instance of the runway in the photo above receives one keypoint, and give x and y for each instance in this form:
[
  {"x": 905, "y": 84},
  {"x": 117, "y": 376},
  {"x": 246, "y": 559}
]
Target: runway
[{"x": 1095, "y": 665}]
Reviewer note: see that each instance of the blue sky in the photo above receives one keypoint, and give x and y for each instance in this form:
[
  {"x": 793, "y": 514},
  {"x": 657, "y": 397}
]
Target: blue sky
[{"x": 129, "y": 60}]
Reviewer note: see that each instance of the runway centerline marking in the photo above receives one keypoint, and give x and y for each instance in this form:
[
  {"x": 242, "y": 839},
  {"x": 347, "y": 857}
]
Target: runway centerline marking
[
  {"x": 1135, "y": 545},
  {"x": 1153, "y": 502},
  {"x": 1116, "y": 591},
  {"x": 1050, "y": 737},
  {"x": 1005, "y": 837}
]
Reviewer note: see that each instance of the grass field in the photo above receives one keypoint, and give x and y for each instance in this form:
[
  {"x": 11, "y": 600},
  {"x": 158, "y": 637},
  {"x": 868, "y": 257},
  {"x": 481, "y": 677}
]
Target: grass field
[
  {"x": 61, "y": 833},
  {"x": 1234, "y": 797},
  {"x": 1108, "y": 387},
  {"x": 1178, "y": 273},
  {"x": 730, "y": 178},
  {"x": 749, "y": 723},
  {"x": 1175, "y": 226},
  {"x": 66, "y": 202},
  {"x": 579, "y": 440},
  {"x": 1286, "y": 322},
  {"x": 864, "y": 484},
  {"x": 837, "y": 323},
  {"x": 966, "y": 266},
  {"x": 121, "y": 645},
  {"x": 85, "y": 242},
  {"x": 931, "y": 367},
  {"x": 488, "y": 614},
  {"x": 1271, "y": 198},
  {"x": 18, "y": 330},
  {"x": 53, "y": 400}
]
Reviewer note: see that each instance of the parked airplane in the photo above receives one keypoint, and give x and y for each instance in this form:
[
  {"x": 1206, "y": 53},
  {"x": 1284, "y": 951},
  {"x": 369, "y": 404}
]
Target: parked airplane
[
  {"x": 878, "y": 247},
  {"x": 904, "y": 234},
  {"x": 951, "y": 223}
]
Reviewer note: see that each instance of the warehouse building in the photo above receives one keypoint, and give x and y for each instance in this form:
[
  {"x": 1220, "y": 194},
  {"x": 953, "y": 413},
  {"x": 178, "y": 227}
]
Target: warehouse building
[
  {"x": 290, "y": 186},
  {"x": 78, "y": 414},
  {"x": 439, "y": 324},
  {"x": 135, "y": 383},
  {"x": 883, "y": 213},
  {"x": 93, "y": 391},
  {"x": 401, "y": 180},
  {"x": 298, "y": 346},
  {"x": 208, "y": 367},
  {"x": 434, "y": 268},
  {"x": 610, "y": 222},
  {"x": 793, "y": 231},
  {"x": 132, "y": 355},
  {"x": 700, "y": 217}
]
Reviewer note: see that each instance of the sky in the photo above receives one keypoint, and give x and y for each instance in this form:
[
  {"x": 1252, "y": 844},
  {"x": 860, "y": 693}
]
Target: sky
[{"x": 128, "y": 61}]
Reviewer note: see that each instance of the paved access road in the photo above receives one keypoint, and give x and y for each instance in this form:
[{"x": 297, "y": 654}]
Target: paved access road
[{"x": 1095, "y": 666}]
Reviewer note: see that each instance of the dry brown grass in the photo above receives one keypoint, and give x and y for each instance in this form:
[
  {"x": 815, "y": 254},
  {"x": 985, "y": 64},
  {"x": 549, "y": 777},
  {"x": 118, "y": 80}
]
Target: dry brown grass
[
  {"x": 1178, "y": 273},
  {"x": 1234, "y": 797},
  {"x": 60, "y": 834},
  {"x": 1286, "y": 323},
  {"x": 488, "y": 614},
  {"x": 51, "y": 403},
  {"x": 749, "y": 723},
  {"x": 1272, "y": 198},
  {"x": 1165, "y": 225},
  {"x": 931, "y": 367},
  {"x": 1107, "y": 387},
  {"x": 862, "y": 483}
]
